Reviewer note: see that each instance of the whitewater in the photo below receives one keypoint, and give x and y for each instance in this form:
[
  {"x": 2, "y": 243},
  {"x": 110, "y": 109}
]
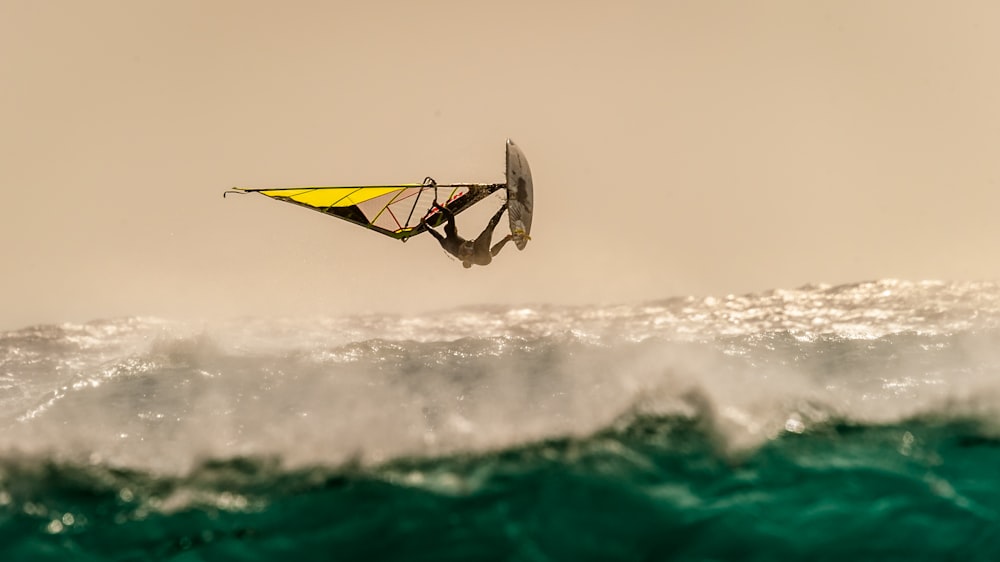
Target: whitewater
[{"x": 857, "y": 421}]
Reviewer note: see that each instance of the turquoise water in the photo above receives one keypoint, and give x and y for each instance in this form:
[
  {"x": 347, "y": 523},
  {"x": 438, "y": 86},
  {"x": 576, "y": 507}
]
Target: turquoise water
[
  {"x": 823, "y": 423},
  {"x": 654, "y": 490}
]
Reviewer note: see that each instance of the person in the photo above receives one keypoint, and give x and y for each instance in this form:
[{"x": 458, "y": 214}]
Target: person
[{"x": 476, "y": 251}]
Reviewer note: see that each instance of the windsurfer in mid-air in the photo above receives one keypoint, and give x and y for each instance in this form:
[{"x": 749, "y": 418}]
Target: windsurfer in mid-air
[{"x": 476, "y": 251}]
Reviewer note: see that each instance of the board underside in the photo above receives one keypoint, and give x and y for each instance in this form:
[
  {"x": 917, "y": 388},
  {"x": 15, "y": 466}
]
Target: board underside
[{"x": 520, "y": 195}]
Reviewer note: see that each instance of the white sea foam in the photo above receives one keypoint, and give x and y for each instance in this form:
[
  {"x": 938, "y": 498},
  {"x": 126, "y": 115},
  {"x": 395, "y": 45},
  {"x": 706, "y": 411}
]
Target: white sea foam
[{"x": 152, "y": 394}]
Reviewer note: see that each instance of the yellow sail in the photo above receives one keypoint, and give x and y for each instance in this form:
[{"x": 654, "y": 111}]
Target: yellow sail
[{"x": 393, "y": 210}]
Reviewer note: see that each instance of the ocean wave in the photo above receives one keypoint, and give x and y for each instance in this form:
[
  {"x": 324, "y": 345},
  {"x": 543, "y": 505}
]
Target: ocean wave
[
  {"x": 160, "y": 396},
  {"x": 644, "y": 487}
]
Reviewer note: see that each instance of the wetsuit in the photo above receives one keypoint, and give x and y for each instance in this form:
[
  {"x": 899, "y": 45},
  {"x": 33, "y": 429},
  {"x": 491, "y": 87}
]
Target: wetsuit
[{"x": 476, "y": 251}]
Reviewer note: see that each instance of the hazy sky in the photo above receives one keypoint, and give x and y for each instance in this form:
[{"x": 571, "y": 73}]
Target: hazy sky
[{"x": 678, "y": 148}]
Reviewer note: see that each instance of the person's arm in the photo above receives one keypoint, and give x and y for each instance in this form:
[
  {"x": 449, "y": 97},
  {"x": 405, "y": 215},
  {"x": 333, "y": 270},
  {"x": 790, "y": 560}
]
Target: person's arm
[
  {"x": 437, "y": 235},
  {"x": 447, "y": 212},
  {"x": 450, "y": 229}
]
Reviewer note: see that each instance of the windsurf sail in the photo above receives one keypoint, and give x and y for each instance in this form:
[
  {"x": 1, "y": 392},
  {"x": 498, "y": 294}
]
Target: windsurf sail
[
  {"x": 397, "y": 211},
  {"x": 393, "y": 210}
]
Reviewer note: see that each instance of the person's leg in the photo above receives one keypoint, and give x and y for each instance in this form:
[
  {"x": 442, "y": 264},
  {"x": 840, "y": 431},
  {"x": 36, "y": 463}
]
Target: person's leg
[
  {"x": 499, "y": 245},
  {"x": 496, "y": 218},
  {"x": 484, "y": 240}
]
